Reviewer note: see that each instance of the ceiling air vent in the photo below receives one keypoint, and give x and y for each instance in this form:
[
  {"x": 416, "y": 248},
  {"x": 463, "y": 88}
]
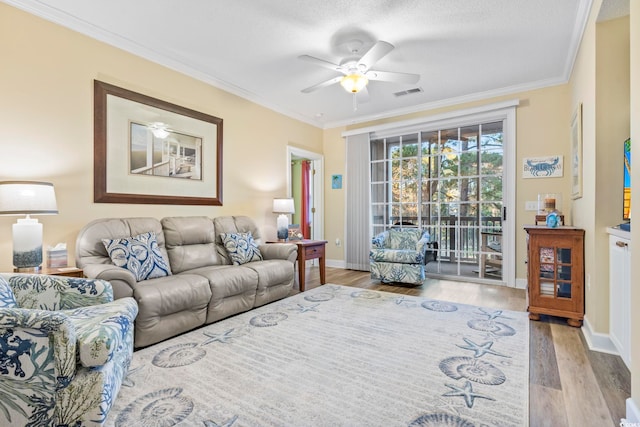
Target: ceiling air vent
[{"x": 409, "y": 91}]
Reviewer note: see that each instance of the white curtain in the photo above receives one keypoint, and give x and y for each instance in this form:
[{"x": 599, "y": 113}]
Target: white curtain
[{"x": 358, "y": 222}]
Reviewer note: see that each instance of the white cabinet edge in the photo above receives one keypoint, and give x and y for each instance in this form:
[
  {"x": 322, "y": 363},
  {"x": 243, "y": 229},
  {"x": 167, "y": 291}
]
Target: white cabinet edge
[{"x": 619, "y": 233}]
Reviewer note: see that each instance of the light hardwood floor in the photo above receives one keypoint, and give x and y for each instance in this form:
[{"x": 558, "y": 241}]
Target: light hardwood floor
[{"x": 569, "y": 385}]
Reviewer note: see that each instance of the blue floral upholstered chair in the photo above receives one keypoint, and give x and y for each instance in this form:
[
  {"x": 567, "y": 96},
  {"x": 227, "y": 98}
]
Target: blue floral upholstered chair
[
  {"x": 399, "y": 255},
  {"x": 65, "y": 347}
]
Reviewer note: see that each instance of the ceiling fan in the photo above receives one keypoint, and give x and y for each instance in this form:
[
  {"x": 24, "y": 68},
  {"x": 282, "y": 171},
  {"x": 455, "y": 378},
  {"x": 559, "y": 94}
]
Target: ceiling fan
[{"x": 357, "y": 72}]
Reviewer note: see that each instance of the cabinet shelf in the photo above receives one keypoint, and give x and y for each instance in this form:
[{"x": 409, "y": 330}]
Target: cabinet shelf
[{"x": 556, "y": 273}]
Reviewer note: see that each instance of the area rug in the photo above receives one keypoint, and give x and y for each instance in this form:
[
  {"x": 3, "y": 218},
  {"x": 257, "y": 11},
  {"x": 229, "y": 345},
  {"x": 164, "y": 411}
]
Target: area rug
[{"x": 337, "y": 356}]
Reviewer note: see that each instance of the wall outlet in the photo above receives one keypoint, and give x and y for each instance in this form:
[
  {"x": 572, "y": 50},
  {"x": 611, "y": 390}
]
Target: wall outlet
[
  {"x": 338, "y": 242},
  {"x": 588, "y": 282},
  {"x": 531, "y": 206}
]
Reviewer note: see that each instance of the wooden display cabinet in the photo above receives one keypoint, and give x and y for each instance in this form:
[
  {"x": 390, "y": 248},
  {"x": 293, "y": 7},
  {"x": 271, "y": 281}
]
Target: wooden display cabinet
[{"x": 556, "y": 273}]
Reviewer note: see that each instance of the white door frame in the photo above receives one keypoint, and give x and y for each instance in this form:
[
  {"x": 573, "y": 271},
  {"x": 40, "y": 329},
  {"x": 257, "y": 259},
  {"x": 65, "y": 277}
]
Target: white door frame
[{"x": 317, "y": 231}]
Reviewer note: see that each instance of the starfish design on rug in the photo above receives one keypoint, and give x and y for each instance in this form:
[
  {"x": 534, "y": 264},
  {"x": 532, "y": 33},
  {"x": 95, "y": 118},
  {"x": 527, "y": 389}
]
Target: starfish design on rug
[
  {"x": 480, "y": 349},
  {"x": 221, "y": 338},
  {"x": 408, "y": 302},
  {"x": 228, "y": 423},
  {"x": 305, "y": 308},
  {"x": 466, "y": 392},
  {"x": 491, "y": 315},
  {"x": 448, "y": 405},
  {"x": 127, "y": 381}
]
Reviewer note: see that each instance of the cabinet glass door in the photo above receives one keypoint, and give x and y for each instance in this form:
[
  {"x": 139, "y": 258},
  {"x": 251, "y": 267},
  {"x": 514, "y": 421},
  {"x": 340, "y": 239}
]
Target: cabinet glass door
[
  {"x": 563, "y": 273},
  {"x": 555, "y": 272}
]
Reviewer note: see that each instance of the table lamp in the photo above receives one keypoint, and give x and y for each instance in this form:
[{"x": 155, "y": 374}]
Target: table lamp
[
  {"x": 283, "y": 207},
  {"x": 27, "y": 198}
]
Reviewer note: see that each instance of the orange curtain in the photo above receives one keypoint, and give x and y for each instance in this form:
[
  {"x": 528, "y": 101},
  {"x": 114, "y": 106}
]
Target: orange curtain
[{"x": 305, "y": 202}]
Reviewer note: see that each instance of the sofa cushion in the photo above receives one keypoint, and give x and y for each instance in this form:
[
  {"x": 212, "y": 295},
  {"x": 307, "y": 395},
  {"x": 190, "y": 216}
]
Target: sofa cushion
[
  {"x": 401, "y": 256},
  {"x": 139, "y": 254},
  {"x": 190, "y": 242},
  {"x": 241, "y": 247}
]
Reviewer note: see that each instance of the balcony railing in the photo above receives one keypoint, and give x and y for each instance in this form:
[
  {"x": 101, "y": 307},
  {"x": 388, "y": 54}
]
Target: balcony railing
[{"x": 459, "y": 237}]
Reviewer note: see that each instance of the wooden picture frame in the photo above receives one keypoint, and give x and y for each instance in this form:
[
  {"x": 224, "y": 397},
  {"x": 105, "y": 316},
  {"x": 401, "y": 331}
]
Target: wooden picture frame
[
  {"x": 149, "y": 151},
  {"x": 576, "y": 153}
]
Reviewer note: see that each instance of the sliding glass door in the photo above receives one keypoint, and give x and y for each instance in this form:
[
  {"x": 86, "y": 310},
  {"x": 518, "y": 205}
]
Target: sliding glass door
[{"x": 450, "y": 182}]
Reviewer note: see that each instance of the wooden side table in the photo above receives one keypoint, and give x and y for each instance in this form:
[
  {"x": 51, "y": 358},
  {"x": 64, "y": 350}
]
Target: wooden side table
[
  {"x": 62, "y": 271},
  {"x": 310, "y": 249}
]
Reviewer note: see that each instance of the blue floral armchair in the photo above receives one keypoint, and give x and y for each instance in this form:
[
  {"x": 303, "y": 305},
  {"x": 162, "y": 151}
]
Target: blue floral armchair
[
  {"x": 65, "y": 347},
  {"x": 399, "y": 256}
]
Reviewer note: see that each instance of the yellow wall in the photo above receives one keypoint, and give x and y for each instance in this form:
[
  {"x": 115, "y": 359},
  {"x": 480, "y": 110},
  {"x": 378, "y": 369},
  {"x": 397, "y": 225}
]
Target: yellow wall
[
  {"x": 612, "y": 129},
  {"x": 542, "y": 129},
  {"x": 583, "y": 90},
  {"x": 46, "y": 117},
  {"x": 634, "y": 37}
]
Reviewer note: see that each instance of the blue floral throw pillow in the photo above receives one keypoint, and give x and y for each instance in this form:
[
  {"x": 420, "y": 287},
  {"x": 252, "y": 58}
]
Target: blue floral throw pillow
[
  {"x": 139, "y": 254},
  {"x": 241, "y": 247}
]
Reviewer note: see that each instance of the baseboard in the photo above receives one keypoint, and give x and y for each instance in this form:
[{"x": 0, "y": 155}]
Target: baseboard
[
  {"x": 633, "y": 413},
  {"x": 521, "y": 283},
  {"x": 335, "y": 263},
  {"x": 597, "y": 341}
]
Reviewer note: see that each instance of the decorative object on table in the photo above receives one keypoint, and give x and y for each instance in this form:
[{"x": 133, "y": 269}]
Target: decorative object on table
[
  {"x": 549, "y": 202},
  {"x": 576, "y": 153},
  {"x": 283, "y": 207},
  {"x": 57, "y": 256},
  {"x": 542, "y": 167},
  {"x": 295, "y": 232},
  {"x": 351, "y": 349},
  {"x": 27, "y": 198},
  {"x": 553, "y": 220}
]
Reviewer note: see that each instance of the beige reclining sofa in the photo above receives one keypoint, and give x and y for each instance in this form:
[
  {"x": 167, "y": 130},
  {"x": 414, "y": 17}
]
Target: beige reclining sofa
[{"x": 200, "y": 282}]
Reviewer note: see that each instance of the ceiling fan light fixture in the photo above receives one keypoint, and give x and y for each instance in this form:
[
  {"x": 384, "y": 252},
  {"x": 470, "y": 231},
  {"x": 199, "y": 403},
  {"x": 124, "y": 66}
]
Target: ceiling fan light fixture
[
  {"x": 354, "y": 83},
  {"x": 159, "y": 130}
]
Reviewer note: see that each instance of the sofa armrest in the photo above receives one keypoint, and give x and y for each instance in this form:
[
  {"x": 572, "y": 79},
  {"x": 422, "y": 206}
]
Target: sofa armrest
[
  {"x": 104, "y": 329},
  {"x": 44, "y": 292},
  {"x": 380, "y": 240},
  {"x": 286, "y": 251},
  {"x": 421, "y": 246},
  {"x": 30, "y": 334},
  {"x": 122, "y": 280}
]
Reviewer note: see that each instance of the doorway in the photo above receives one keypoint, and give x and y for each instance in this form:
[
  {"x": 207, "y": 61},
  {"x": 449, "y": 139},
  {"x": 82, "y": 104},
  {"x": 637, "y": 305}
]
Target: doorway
[{"x": 302, "y": 163}]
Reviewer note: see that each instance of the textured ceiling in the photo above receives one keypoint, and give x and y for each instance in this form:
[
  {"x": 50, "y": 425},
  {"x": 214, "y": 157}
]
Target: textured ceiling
[{"x": 462, "y": 49}]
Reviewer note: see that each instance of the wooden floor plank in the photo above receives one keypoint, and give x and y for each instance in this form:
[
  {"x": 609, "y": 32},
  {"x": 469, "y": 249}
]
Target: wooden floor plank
[
  {"x": 584, "y": 402},
  {"x": 546, "y": 407},
  {"x": 543, "y": 366},
  {"x": 614, "y": 380}
]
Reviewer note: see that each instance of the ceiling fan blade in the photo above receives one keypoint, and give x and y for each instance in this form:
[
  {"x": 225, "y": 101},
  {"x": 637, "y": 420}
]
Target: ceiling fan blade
[
  {"x": 322, "y": 63},
  {"x": 373, "y": 55},
  {"x": 321, "y": 85},
  {"x": 391, "y": 76}
]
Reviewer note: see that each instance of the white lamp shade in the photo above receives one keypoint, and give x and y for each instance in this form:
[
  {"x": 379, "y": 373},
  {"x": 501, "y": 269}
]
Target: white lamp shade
[
  {"x": 284, "y": 206},
  {"x": 27, "y": 198},
  {"x": 354, "y": 82}
]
